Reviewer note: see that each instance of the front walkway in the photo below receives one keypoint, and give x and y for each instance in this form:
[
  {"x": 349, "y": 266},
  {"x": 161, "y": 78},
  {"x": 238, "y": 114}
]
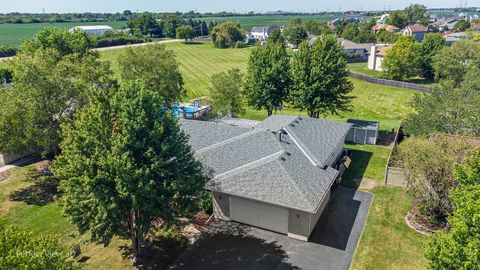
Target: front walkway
[{"x": 230, "y": 245}]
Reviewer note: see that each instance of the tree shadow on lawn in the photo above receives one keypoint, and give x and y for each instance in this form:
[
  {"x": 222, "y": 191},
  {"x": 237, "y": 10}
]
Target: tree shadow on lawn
[
  {"x": 193, "y": 43},
  {"x": 357, "y": 168},
  {"x": 157, "y": 253},
  {"x": 231, "y": 246},
  {"x": 43, "y": 191}
]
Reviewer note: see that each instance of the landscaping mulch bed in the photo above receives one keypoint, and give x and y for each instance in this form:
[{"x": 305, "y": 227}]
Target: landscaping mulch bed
[{"x": 421, "y": 223}]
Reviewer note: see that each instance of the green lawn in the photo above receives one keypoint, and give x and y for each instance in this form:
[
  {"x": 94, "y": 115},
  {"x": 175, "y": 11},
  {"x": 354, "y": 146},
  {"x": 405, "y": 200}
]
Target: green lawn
[
  {"x": 12, "y": 34},
  {"x": 198, "y": 62},
  {"x": 387, "y": 242},
  {"x": 31, "y": 211}
]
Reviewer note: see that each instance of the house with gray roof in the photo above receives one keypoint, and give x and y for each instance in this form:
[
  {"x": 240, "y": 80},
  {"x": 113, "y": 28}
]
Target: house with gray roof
[{"x": 276, "y": 175}]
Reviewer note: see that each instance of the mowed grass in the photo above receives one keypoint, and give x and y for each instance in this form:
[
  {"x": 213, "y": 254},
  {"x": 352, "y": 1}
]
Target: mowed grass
[
  {"x": 13, "y": 34},
  {"x": 199, "y": 61},
  {"x": 387, "y": 242},
  {"x": 46, "y": 219}
]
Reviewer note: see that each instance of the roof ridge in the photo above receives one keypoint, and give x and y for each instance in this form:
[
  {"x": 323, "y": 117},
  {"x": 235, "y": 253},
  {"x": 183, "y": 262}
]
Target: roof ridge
[
  {"x": 246, "y": 134},
  {"x": 251, "y": 165},
  {"x": 303, "y": 148}
]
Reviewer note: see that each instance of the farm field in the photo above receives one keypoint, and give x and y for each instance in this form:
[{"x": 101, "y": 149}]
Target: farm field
[
  {"x": 12, "y": 34},
  {"x": 247, "y": 22}
]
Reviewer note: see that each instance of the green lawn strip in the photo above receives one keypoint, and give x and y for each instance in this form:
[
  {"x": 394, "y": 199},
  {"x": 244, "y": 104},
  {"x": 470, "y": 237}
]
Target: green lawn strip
[
  {"x": 362, "y": 68},
  {"x": 387, "y": 242},
  {"x": 368, "y": 161}
]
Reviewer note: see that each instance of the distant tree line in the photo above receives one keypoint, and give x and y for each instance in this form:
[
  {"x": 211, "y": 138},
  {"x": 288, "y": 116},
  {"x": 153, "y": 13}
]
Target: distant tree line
[{"x": 151, "y": 25}]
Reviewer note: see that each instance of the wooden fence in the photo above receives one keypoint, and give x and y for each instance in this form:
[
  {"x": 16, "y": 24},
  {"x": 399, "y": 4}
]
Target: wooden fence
[
  {"x": 404, "y": 85},
  {"x": 393, "y": 175}
]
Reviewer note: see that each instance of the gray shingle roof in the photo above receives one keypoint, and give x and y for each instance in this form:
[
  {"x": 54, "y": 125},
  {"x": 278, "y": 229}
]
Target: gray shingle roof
[
  {"x": 267, "y": 29},
  {"x": 258, "y": 165},
  {"x": 318, "y": 138}
]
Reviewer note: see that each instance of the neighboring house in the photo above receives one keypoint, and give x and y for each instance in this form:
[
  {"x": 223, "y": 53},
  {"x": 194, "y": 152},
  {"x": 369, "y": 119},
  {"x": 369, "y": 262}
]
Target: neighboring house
[
  {"x": 383, "y": 18},
  {"x": 453, "y": 37},
  {"x": 93, "y": 29},
  {"x": 418, "y": 31},
  {"x": 446, "y": 24},
  {"x": 249, "y": 38},
  {"x": 262, "y": 32},
  {"x": 376, "y": 56},
  {"x": 390, "y": 28},
  {"x": 276, "y": 175},
  {"x": 356, "y": 51}
]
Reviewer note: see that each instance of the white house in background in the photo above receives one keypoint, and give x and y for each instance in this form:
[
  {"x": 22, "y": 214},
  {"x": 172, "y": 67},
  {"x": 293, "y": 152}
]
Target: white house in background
[
  {"x": 93, "y": 29},
  {"x": 262, "y": 32},
  {"x": 377, "y": 53}
]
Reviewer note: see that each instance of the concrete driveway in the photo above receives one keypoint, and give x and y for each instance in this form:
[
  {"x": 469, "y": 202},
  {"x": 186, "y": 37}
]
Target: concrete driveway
[{"x": 230, "y": 245}]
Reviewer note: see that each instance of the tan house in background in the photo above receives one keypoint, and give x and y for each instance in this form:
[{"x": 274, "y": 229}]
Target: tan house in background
[{"x": 376, "y": 56}]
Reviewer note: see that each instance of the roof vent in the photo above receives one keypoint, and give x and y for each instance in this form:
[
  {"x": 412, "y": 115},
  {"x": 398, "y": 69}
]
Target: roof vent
[
  {"x": 292, "y": 125},
  {"x": 284, "y": 159},
  {"x": 288, "y": 153}
]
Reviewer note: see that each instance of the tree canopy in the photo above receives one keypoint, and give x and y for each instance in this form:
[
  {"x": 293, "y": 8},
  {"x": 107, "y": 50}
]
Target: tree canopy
[
  {"x": 401, "y": 61},
  {"x": 185, "y": 32},
  {"x": 320, "y": 81},
  {"x": 295, "y": 31},
  {"x": 431, "y": 45},
  {"x": 157, "y": 67},
  {"x": 226, "y": 92},
  {"x": 226, "y": 34},
  {"x": 60, "y": 39},
  {"x": 459, "y": 246},
  {"x": 47, "y": 89},
  {"x": 145, "y": 24},
  {"x": 267, "y": 79},
  {"x": 21, "y": 249},
  {"x": 124, "y": 164}
]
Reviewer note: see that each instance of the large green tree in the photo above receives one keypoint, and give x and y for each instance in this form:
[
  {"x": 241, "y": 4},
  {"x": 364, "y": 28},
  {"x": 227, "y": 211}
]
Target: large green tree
[
  {"x": 226, "y": 34},
  {"x": 416, "y": 13},
  {"x": 226, "y": 92},
  {"x": 428, "y": 165},
  {"x": 319, "y": 75},
  {"x": 124, "y": 164},
  {"x": 398, "y": 19},
  {"x": 267, "y": 79},
  {"x": 447, "y": 108},
  {"x": 431, "y": 45},
  {"x": 452, "y": 63},
  {"x": 459, "y": 246},
  {"x": 185, "y": 32},
  {"x": 47, "y": 89},
  {"x": 144, "y": 24},
  {"x": 21, "y": 249},
  {"x": 60, "y": 39},
  {"x": 157, "y": 67},
  {"x": 401, "y": 61},
  {"x": 295, "y": 32}
]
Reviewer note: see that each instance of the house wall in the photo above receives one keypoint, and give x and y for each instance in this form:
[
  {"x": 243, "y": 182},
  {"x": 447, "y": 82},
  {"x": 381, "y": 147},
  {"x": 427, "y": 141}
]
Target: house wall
[
  {"x": 301, "y": 224},
  {"x": 8, "y": 158},
  {"x": 372, "y": 57},
  {"x": 221, "y": 205},
  {"x": 378, "y": 63}
]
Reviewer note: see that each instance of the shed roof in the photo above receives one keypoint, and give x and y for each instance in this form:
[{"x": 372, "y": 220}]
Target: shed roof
[{"x": 371, "y": 125}]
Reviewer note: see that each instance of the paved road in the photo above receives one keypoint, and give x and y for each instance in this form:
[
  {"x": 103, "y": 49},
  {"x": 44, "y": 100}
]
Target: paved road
[
  {"x": 136, "y": 45},
  {"x": 232, "y": 246}
]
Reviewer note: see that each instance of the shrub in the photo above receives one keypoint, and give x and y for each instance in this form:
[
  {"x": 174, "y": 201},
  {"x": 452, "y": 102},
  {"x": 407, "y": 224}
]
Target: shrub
[
  {"x": 240, "y": 44},
  {"x": 118, "y": 38},
  {"x": 7, "y": 51}
]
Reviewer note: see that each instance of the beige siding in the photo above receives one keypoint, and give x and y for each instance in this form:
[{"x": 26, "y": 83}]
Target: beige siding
[{"x": 221, "y": 206}]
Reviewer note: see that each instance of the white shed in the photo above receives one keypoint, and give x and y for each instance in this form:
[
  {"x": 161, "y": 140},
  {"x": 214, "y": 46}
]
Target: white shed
[
  {"x": 93, "y": 29},
  {"x": 362, "y": 132}
]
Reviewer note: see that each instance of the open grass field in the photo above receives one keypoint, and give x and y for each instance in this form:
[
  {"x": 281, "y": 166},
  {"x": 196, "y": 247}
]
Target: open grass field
[
  {"x": 199, "y": 61},
  {"x": 12, "y": 34},
  {"x": 247, "y": 22}
]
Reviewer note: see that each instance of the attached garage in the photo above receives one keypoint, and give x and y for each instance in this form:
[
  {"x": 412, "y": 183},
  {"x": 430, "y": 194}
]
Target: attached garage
[
  {"x": 362, "y": 132},
  {"x": 260, "y": 215}
]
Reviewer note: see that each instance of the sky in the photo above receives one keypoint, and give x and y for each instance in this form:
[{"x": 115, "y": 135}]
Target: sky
[{"x": 65, "y": 6}]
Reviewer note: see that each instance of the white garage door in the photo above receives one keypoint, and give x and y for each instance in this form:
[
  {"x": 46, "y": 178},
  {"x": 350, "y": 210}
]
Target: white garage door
[{"x": 259, "y": 215}]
